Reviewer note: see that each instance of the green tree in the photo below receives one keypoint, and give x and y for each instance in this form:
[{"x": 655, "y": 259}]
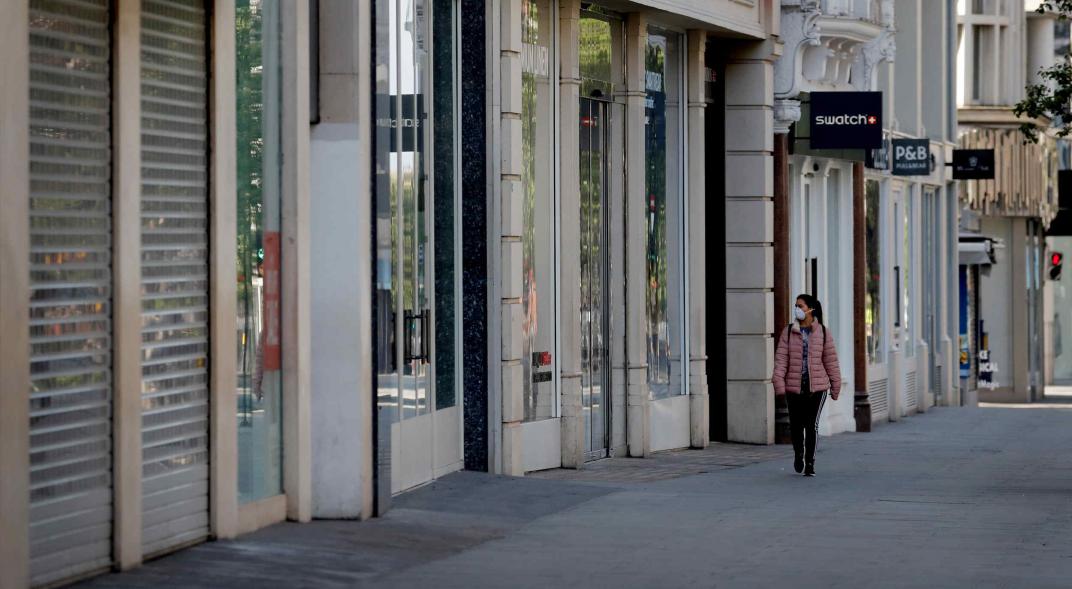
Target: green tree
[{"x": 1052, "y": 97}]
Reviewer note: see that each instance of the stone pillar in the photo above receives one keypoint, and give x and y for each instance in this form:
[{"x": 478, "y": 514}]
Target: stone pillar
[
  {"x": 638, "y": 411},
  {"x": 15, "y": 297},
  {"x": 699, "y": 415},
  {"x": 342, "y": 402},
  {"x": 572, "y": 415},
  {"x": 951, "y": 375},
  {"x": 296, "y": 321},
  {"x": 786, "y": 112},
  {"x": 510, "y": 270},
  {"x": 861, "y": 403},
  {"x": 1020, "y": 362},
  {"x": 750, "y": 243},
  {"x": 949, "y": 292}
]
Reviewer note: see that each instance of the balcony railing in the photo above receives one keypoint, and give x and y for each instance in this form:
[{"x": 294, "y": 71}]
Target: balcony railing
[{"x": 868, "y": 10}]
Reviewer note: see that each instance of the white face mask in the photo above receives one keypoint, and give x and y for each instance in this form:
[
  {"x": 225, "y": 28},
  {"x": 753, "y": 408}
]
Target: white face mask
[{"x": 798, "y": 313}]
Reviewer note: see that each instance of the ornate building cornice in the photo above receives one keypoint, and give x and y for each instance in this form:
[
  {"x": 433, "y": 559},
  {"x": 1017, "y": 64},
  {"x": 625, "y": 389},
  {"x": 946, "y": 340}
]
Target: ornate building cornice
[{"x": 829, "y": 46}]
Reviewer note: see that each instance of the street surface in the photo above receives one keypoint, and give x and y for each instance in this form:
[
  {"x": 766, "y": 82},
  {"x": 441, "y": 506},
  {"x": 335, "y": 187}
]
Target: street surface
[{"x": 977, "y": 497}]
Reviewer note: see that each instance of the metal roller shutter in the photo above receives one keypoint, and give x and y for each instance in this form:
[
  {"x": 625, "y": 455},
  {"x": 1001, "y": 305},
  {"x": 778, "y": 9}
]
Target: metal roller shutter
[
  {"x": 174, "y": 268},
  {"x": 70, "y": 277}
]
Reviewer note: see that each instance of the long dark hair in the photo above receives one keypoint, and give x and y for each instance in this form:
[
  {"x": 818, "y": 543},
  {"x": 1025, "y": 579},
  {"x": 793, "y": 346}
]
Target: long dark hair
[{"x": 815, "y": 306}]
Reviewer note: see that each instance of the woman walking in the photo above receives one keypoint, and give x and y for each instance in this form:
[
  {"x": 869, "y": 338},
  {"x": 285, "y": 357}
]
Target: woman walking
[{"x": 805, "y": 368}]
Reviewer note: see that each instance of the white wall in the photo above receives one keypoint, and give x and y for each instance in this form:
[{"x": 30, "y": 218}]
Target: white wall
[
  {"x": 340, "y": 320},
  {"x": 995, "y": 302},
  {"x": 1060, "y": 314}
]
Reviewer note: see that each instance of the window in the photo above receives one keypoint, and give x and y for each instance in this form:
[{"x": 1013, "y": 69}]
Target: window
[
  {"x": 873, "y": 280},
  {"x": 258, "y": 105},
  {"x": 664, "y": 300},
  {"x": 982, "y": 34},
  {"x": 908, "y": 267},
  {"x": 538, "y": 239},
  {"x": 833, "y": 233}
]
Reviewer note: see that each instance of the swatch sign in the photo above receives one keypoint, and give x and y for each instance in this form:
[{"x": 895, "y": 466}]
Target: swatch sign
[{"x": 846, "y": 120}]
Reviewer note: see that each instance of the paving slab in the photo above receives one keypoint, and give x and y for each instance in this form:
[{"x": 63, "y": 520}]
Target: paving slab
[{"x": 968, "y": 497}]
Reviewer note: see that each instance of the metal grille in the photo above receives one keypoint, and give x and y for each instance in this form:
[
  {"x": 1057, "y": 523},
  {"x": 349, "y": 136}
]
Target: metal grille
[
  {"x": 939, "y": 394},
  {"x": 878, "y": 394},
  {"x": 70, "y": 278},
  {"x": 911, "y": 389},
  {"x": 174, "y": 274}
]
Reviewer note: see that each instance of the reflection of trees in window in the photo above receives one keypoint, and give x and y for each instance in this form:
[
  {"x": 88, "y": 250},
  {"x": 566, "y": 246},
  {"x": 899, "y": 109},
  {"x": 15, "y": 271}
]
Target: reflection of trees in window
[
  {"x": 250, "y": 182},
  {"x": 536, "y": 181},
  {"x": 594, "y": 54},
  {"x": 408, "y": 230},
  {"x": 257, "y": 103},
  {"x": 655, "y": 184},
  {"x": 250, "y": 147},
  {"x": 872, "y": 296}
]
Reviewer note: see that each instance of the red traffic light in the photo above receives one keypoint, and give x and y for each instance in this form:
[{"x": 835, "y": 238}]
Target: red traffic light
[{"x": 1056, "y": 258}]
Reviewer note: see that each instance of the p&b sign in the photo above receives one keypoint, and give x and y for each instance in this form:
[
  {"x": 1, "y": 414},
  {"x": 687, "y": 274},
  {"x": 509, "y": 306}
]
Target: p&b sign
[{"x": 911, "y": 157}]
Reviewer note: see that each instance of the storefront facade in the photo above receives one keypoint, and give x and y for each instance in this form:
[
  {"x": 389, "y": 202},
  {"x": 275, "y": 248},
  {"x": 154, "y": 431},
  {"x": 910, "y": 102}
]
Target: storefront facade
[
  {"x": 601, "y": 288},
  {"x": 1001, "y": 48},
  {"x": 264, "y": 270},
  {"x": 875, "y": 246},
  {"x": 151, "y": 255}
]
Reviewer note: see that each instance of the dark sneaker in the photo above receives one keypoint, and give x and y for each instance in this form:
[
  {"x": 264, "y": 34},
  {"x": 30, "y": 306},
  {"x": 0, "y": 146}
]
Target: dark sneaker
[
  {"x": 809, "y": 469},
  {"x": 798, "y": 463}
]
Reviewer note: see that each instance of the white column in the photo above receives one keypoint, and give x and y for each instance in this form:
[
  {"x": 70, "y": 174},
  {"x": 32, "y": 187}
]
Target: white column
[
  {"x": 750, "y": 245},
  {"x": 638, "y": 410},
  {"x": 949, "y": 294},
  {"x": 699, "y": 415},
  {"x": 15, "y": 297},
  {"x": 296, "y": 315},
  {"x": 572, "y": 415},
  {"x": 342, "y": 404},
  {"x": 126, "y": 269},
  {"x": 223, "y": 273},
  {"x": 511, "y": 270}
]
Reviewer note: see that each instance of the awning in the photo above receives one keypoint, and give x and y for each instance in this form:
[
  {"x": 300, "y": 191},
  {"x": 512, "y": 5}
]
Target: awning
[{"x": 976, "y": 252}]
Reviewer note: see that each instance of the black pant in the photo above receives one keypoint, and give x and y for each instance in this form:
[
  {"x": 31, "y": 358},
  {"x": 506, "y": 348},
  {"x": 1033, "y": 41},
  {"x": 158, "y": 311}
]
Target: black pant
[{"x": 804, "y": 410}]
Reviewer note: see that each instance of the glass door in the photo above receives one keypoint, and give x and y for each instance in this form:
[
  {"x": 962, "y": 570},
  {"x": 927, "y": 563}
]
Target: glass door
[
  {"x": 595, "y": 369},
  {"x": 417, "y": 249}
]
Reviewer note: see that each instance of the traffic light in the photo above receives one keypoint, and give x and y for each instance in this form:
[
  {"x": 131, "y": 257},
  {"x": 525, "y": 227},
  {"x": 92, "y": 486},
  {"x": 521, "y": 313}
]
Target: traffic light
[{"x": 1055, "y": 265}]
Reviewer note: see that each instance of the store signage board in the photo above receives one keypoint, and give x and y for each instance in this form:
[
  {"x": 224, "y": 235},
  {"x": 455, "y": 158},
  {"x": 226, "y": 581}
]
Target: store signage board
[
  {"x": 878, "y": 159},
  {"x": 911, "y": 157},
  {"x": 973, "y": 164},
  {"x": 846, "y": 120}
]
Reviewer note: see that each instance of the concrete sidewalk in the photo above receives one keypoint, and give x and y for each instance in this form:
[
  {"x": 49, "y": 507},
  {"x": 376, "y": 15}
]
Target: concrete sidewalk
[{"x": 976, "y": 497}]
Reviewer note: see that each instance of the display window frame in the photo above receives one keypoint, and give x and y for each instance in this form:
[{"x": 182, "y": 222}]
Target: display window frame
[{"x": 682, "y": 195}]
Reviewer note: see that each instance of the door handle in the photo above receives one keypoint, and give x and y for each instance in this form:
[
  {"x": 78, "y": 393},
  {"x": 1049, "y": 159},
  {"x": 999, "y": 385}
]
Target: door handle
[
  {"x": 416, "y": 326},
  {"x": 407, "y": 335}
]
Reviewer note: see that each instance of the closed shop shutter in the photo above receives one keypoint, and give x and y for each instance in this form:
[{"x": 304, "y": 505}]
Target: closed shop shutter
[
  {"x": 174, "y": 269},
  {"x": 70, "y": 278}
]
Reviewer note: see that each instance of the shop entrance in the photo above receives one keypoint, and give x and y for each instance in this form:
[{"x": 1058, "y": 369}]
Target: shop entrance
[
  {"x": 417, "y": 251},
  {"x": 595, "y": 268}
]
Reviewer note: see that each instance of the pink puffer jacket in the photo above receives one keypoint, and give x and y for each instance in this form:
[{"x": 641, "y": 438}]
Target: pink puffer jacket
[{"x": 823, "y": 368}]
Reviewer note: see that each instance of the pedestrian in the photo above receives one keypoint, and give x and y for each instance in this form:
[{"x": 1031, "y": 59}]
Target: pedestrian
[{"x": 805, "y": 368}]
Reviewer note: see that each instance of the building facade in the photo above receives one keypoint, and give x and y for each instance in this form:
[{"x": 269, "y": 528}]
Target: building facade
[
  {"x": 876, "y": 247},
  {"x": 257, "y": 268},
  {"x": 1001, "y": 47}
]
